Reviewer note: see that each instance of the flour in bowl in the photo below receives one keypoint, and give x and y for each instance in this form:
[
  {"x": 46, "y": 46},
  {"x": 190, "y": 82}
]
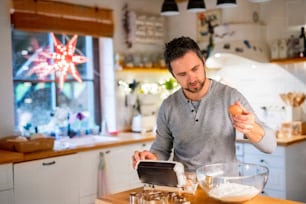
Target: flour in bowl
[{"x": 233, "y": 192}]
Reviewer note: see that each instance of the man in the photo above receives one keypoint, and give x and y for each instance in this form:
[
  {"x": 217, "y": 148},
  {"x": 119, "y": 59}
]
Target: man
[{"x": 194, "y": 122}]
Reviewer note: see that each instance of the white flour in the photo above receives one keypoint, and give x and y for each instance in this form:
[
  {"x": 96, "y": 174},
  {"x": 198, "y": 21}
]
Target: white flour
[{"x": 233, "y": 192}]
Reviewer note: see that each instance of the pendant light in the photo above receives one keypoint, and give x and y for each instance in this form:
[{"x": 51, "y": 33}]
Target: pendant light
[
  {"x": 196, "y": 6},
  {"x": 169, "y": 8},
  {"x": 226, "y": 3}
]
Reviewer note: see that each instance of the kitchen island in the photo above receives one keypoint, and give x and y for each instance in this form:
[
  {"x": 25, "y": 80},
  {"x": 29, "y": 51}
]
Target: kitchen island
[{"x": 199, "y": 197}]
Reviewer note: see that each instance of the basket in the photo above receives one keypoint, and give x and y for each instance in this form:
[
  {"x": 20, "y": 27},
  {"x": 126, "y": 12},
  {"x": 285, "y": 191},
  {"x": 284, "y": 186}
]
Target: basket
[{"x": 32, "y": 145}]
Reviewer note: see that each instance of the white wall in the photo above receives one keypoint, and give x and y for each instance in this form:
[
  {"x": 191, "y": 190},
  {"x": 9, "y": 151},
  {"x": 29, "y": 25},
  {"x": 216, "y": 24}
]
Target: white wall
[{"x": 262, "y": 85}]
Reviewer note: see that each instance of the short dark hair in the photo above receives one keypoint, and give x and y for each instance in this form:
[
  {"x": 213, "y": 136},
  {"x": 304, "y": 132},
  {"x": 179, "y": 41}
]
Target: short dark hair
[{"x": 178, "y": 47}]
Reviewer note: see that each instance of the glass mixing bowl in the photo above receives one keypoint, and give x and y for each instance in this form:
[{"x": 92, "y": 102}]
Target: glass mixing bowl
[{"x": 232, "y": 182}]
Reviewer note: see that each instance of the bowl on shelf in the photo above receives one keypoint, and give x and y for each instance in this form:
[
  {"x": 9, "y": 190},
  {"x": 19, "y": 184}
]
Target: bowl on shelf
[{"x": 232, "y": 182}]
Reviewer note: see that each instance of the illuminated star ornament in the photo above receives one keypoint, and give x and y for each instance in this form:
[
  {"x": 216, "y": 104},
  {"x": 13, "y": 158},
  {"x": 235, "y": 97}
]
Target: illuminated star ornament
[{"x": 64, "y": 61}]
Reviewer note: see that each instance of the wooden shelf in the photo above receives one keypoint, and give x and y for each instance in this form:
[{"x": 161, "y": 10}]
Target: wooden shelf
[
  {"x": 289, "y": 61},
  {"x": 143, "y": 69}
]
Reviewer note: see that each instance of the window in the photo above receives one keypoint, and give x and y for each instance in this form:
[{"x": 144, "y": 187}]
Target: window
[{"x": 40, "y": 103}]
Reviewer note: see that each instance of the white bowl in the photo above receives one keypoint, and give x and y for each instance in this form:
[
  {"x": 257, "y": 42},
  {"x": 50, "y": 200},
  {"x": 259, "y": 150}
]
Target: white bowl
[{"x": 232, "y": 182}]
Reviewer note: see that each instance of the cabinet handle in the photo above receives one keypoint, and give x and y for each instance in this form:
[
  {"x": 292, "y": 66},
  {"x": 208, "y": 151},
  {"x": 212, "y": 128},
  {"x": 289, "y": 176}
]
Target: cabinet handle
[
  {"x": 107, "y": 151},
  {"x": 144, "y": 144},
  {"x": 48, "y": 163}
]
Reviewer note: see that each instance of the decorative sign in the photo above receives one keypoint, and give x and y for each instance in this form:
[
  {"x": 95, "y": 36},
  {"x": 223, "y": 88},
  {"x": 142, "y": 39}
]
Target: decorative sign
[
  {"x": 206, "y": 22},
  {"x": 64, "y": 61},
  {"x": 146, "y": 28}
]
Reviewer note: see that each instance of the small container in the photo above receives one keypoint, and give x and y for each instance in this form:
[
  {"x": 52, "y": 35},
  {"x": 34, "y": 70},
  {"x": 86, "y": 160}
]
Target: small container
[{"x": 133, "y": 198}]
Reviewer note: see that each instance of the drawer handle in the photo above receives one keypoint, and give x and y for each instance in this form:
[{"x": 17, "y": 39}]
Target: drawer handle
[
  {"x": 48, "y": 163},
  {"x": 107, "y": 151}
]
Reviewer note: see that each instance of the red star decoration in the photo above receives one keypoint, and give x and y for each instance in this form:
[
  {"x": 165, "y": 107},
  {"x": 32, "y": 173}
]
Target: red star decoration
[{"x": 64, "y": 61}]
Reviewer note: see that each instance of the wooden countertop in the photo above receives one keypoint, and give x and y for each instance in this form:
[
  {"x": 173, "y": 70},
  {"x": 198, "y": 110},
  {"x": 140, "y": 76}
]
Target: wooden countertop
[
  {"x": 10, "y": 157},
  {"x": 286, "y": 141},
  {"x": 124, "y": 138},
  {"x": 200, "y": 197}
]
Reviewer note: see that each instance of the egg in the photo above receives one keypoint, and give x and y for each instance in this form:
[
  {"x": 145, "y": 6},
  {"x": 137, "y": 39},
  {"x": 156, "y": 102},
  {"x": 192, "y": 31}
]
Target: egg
[{"x": 235, "y": 109}]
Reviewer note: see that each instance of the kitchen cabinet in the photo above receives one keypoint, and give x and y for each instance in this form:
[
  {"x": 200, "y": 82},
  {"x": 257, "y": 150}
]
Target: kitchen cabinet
[
  {"x": 6, "y": 183},
  {"x": 118, "y": 170},
  {"x": 47, "y": 181},
  {"x": 239, "y": 151},
  {"x": 287, "y": 176}
]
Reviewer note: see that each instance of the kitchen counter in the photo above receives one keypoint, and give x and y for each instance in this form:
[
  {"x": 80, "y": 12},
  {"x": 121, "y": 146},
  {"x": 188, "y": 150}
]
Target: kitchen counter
[
  {"x": 283, "y": 141},
  {"x": 123, "y": 139},
  {"x": 10, "y": 157},
  {"x": 198, "y": 198}
]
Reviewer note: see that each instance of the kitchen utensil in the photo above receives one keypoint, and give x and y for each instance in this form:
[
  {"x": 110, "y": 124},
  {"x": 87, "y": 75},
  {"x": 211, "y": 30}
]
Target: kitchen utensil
[
  {"x": 293, "y": 99},
  {"x": 232, "y": 182}
]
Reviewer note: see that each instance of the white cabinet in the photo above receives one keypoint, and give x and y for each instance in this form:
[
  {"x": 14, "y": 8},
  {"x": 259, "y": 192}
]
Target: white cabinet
[
  {"x": 118, "y": 174},
  {"x": 47, "y": 181},
  {"x": 287, "y": 175},
  {"x": 6, "y": 184},
  {"x": 239, "y": 151}
]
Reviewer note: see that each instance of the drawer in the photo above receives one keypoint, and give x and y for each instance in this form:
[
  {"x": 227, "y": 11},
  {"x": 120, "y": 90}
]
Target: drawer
[
  {"x": 269, "y": 161},
  {"x": 250, "y": 149},
  {"x": 276, "y": 180},
  {"x": 274, "y": 193},
  {"x": 6, "y": 176},
  {"x": 239, "y": 149}
]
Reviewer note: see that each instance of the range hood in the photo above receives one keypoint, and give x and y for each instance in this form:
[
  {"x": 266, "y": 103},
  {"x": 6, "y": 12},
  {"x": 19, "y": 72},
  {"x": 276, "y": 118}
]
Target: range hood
[{"x": 243, "y": 40}]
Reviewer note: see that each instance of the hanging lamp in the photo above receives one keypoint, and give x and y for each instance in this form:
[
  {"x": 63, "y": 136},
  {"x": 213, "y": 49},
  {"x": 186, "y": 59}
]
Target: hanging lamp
[
  {"x": 226, "y": 3},
  {"x": 169, "y": 8},
  {"x": 196, "y": 6}
]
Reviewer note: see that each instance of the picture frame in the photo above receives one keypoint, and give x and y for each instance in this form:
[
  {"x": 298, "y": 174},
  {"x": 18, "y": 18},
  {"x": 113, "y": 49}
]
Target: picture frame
[{"x": 206, "y": 21}]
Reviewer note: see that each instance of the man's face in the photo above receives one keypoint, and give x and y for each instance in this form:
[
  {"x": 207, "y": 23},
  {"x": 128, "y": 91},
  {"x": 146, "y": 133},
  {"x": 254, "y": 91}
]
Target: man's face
[{"x": 189, "y": 72}]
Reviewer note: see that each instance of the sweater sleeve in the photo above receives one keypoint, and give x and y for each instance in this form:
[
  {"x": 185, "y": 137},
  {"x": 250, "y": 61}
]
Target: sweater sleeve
[
  {"x": 162, "y": 145},
  {"x": 268, "y": 143}
]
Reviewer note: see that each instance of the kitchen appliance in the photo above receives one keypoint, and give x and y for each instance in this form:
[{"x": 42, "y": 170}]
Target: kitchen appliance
[
  {"x": 164, "y": 182},
  {"x": 142, "y": 123}
]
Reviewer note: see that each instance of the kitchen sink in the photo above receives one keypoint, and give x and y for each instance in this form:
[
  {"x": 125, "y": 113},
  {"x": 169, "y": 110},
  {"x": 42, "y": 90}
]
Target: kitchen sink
[{"x": 88, "y": 140}]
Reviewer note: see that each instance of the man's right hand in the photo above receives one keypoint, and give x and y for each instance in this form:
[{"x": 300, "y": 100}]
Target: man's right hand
[{"x": 144, "y": 155}]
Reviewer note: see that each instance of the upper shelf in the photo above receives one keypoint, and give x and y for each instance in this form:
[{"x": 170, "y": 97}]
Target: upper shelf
[
  {"x": 143, "y": 69},
  {"x": 289, "y": 61}
]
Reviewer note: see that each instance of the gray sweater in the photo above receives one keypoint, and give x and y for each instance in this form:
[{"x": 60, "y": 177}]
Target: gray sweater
[{"x": 203, "y": 136}]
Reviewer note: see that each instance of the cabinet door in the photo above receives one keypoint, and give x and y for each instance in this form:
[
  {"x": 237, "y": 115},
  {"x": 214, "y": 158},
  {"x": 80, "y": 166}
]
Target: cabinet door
[
  {"x": 239, "y": 151},
  {"x": 47, "y": 181},
  {"x": 6, "y": 184},
  {"x": 120, "y": 173},
  {"x": 89, "y": 162},
  {"x": 134, "y": 181},
  {"x": 6, "y": 197}
]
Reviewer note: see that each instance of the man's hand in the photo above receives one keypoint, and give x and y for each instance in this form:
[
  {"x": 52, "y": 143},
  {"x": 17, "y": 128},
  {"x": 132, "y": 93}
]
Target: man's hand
[
  {"x": 144, "y": 155},
  {"x": 246, "y": 124}
]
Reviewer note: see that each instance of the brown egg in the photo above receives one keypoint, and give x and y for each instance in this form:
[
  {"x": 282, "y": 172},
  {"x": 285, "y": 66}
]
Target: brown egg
[{"x": 235, "y": 109}]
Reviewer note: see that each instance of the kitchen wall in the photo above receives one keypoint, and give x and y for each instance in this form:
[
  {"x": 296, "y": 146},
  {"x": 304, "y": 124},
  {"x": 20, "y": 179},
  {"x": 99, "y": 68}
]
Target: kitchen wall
[
  {"x": 261, "y": 83},
  {"x": 281, "y": 17}
]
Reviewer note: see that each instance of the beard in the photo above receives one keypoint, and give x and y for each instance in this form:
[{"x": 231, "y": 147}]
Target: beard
[{"x": 195, "y": 87}]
